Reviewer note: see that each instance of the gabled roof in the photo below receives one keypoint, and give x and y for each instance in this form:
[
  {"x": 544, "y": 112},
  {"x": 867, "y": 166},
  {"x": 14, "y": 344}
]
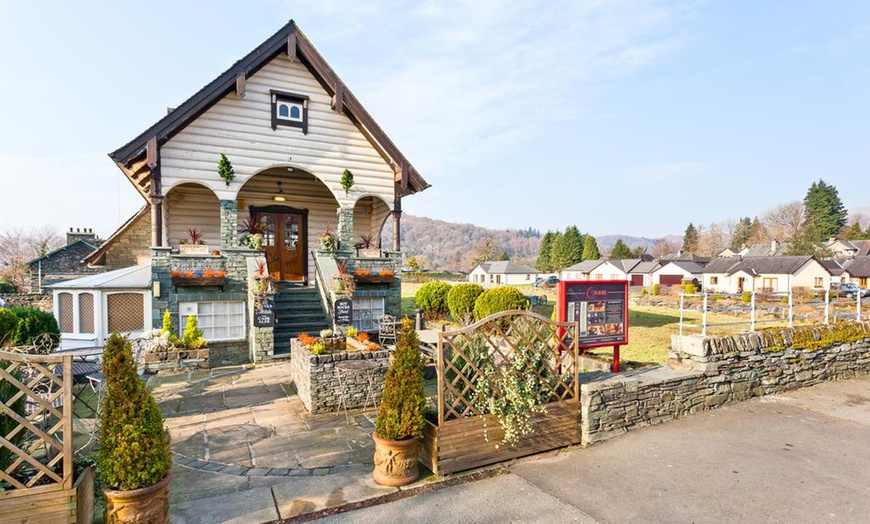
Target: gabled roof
[
  {"x": 625, "y": 265},
  {"x": 585, "y": 267},
  {"x": 62, "y": 248},
  {"x": 721, "y": 265},
  {"x": 646, "y": 266},
  {"x": 506, "y": 267},
  {"x": 686, "y": 265},
  {"x": 109, "y": 242},
  {"x": 131, "y": 156},
  {"x": 766, "y": 249},
  {"x": 863, "y": 247},
  {"x": 858, "y": 267},
  {"x": 778, "y": 265},
  {"x": 833, "y": 266},
  {"x": 134, "y": 277}
]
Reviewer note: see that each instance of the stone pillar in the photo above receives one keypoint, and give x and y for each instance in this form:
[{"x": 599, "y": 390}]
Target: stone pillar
[
  {"x": 157, "y": 220},
  {"x": 344, "y": 217},
  {"x": 229, "y": 223},
  {"x": 397, "y": 230},
  {"x": 161, "y": 271}
]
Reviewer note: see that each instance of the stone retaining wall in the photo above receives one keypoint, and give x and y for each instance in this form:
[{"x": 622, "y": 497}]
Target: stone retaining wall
[
  {"x": 316, "y": 382},
  {"x": 35, "y": 300},
  {"x": 711, "y": 372}
]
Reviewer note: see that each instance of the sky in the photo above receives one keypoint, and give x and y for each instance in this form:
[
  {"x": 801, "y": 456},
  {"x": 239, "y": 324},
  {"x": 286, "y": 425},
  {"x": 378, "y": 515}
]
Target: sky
[{"x": 630, "y": 117}]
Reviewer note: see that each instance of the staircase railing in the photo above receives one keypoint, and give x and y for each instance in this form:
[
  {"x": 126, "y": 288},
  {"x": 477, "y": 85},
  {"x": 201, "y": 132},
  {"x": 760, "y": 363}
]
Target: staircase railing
[{"x": 322, "y": 287}]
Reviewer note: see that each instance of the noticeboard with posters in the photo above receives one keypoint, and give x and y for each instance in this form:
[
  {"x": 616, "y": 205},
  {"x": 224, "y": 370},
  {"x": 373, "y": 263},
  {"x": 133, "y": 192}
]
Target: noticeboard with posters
[{"x": 601, "y": 309}]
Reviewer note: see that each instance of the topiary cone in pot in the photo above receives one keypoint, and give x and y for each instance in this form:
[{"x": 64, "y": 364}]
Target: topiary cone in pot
[
  {"x": 400, "y": 421},
  {"x": 134, "y": 459}
]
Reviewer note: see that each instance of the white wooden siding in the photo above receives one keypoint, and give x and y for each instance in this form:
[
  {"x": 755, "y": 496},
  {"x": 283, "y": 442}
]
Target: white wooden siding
[
  {"x": 369, "y": 215},
  {"x": 241, "y": 129},
  {"x": 192, "y": 206}
]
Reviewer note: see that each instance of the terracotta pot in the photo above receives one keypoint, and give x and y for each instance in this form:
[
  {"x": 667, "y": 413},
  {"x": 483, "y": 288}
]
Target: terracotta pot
[
  {"x": 149, "y": 504},
  {"x": 396, "y": 461}
]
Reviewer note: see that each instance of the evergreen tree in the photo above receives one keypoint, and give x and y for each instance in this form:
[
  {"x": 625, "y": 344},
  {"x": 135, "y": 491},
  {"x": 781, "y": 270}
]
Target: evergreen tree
[
  {"x": 854, "y": 232},
  {"x": 742, "y": 233},
  {"x": 590, "y": 249},
  {"x": 544, "y": 264},
  {"x": 690, "y": 239},
  {"x": 503, "y": 256},
  {"x": 638, "y": 252},
  {"x": 825, "y": 210},
  {"x": 620, "y": 251},
  {"x": 570, "y": 248},
  {"x": 759, "y": 233},
  {"x": 807, "y": 243},
  {"x": 555, "y": 262}
]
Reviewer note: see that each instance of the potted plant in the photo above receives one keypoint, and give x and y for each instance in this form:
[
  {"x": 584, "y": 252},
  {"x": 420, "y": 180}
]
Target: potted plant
[
  {"x": 134, "y": 458},
  {"x": 194, "y": 245},
  {"x": 367, "y": 246},
  {"x": 252, "y": 233},
  {"x": 343, "y": 283},
  {"x": 346, "y": 181},
  {"x": 225, "y": 169},
  {"x": 328, "y": 241},
  {"x": 400, "y": 421}
]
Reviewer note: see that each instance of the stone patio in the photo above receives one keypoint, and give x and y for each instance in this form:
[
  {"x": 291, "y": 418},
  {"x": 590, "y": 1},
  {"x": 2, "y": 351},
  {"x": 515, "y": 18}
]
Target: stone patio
[{"x": 245, "y": 449}]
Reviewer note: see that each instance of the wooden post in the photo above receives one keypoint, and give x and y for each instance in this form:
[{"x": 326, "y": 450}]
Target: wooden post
[
  {"x": 67, "y": 422},
  {"x": 440, "y": 375},
  {"x": 397, "y": 226},
  {"x": 616, "y": 358}
]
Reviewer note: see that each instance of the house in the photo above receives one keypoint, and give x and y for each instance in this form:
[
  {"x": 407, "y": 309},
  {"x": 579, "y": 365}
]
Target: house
[
  {"x": 684, "y": 257},
  {"x": 774, "y": 274},
  {"x": 641, "y": 275},
  {"x": 835, "y": 268},
  {"x": 502, "y": 272},
  {"x": 675, "y": 272},
  {"x": 773, "y": 248},
  {"x": 89, "y": 309},
  {"x": 847, "y": 248},
  {"x": 291, "y": 129},
  {"x": 580, "y": 271},
  {"x": 65, "y": 262},
  {"x": 857, "y": 271}
]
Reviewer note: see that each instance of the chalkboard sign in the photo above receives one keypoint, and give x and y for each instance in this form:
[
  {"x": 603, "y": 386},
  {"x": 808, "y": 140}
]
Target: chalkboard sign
[
  {"x": 344, "y": 312},
  {"x": 264, "y": 313},
  {"x": 601, "y": 309}
]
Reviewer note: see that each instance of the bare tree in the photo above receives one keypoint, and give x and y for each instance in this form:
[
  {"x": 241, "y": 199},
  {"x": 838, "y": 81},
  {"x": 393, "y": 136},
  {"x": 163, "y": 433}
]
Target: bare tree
[
  {"x": 663, "y": 247},
  {"x": 713, "y": 239},
  {"x": 784, "y": 222},
  {"x": 19, "y": 246}
]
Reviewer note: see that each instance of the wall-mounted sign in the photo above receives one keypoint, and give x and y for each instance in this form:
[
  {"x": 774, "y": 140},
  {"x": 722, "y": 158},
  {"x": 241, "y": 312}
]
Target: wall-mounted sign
[
  {"x": 600, "y": 307},
  {"x": 343, "y": 308},
  {"x": 264, "y": 313}
]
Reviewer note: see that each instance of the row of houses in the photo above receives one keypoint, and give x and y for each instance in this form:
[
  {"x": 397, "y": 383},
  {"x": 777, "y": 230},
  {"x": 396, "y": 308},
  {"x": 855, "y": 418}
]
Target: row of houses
[{"x": 725, "y": 274}]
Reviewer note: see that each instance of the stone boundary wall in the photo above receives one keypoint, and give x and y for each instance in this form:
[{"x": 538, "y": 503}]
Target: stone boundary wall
[
  {"x": 41, "y": 301},
  {"x": 316, "y": 381},
  {"x": 712, "y": 372}
]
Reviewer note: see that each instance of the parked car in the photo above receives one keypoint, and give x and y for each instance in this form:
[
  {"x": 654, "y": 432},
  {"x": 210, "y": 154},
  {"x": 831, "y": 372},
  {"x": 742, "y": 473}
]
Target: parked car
[
  {"x": 850, "y": 290},
  {"x": 538, "y": 282},
  {"x": 550, "y": 282}
]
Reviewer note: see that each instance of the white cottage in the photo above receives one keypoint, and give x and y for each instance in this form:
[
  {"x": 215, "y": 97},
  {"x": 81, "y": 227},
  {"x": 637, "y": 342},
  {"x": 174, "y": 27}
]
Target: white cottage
[
  {"x": 674, "y": 272},
  {"x": 490, "y": 274},
  {"x": 775, "y": 274}
]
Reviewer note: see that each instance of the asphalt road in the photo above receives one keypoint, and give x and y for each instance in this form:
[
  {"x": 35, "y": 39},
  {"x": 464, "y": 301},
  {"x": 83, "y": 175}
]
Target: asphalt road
[{"x": 799, "y": 457}]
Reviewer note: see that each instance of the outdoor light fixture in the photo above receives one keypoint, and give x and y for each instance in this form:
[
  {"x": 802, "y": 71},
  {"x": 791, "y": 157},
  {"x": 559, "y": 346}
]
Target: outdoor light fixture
[{"x": 280, "y": 196}]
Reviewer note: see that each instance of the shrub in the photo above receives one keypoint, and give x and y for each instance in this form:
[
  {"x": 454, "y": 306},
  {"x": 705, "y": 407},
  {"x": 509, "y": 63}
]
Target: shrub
[
  {"x": 655, "y": 290},
  {"x": 8, "y": 326},
  {"x": 192, "y": 338},
  {"x": 6, "y": 286},
  {"x": 400, "y": 415},
  {"x": 134, "y": 444},
  {"x": 644, "y": 291},
  {"x": 691, "y": 289},
  {"x": 7, "y": 423},
  {"x": 499, "y": 299},
  {"x": 32, "y": 324},
  {"x": 432, "y": 299},
  {"x": 461, "y": 299},
  {"x": 746, "y": 297},
  {"x": 167, "y": 322}
]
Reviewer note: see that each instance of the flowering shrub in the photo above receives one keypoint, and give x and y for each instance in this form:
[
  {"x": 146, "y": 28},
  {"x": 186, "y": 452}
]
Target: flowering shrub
[
  {"x": 307, "y": 340},
  {"x": 317, "y": 348},
  {"x": 362, "y": 336},
  {"x": 351, "y": 332},
  {"x": 373, "y": 346}
]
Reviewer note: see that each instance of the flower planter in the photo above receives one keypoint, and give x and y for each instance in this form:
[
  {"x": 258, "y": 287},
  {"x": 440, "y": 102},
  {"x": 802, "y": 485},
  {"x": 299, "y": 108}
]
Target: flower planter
[
  {"x": 198, "y": 281},
  {"x": 355, "y": 344},
  {"x": 51, "y": 503},
  {"x": 194, "y": 249},
  {"x": 374, "y": 279},
  {"x": 171, "y": 360},
  {"x": 396, "y": 461},
  {"x": 149, "y": 504},
  {"x": 369, "y": 252}
]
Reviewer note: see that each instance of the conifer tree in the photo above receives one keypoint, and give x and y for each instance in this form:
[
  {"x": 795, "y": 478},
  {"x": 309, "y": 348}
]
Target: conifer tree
[
  {"x": 620, "y": 251},
  {"x": 742, "y": 233},
  {"x": 590, "y": 249},
  {"x": 690, "y": 239},
  {"x": 544, "y": 263},
  {"x": 825, "y": 209},
  {"x": 570, "y": 248}
]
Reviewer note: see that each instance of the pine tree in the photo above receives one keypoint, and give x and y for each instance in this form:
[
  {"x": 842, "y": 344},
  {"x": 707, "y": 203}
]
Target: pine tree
[
  {"x": 807, "y": 243},
  {"x": 400, "y": 415},
  {"x": 569, "y": 250},
  {"x": 825, "y": 210},
  {"x": 590, "y": 249},
  {"x": 854, "y": 232},
  {"x": 544, "y": 263},
  {"x": 621, "y": 251},
  {"x": 742, "y": 233},
  {"x": 690, "y": 239}
]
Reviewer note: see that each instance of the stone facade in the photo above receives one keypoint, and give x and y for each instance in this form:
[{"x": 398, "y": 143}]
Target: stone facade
[
  {"x": 132, "y": 247},
  {"x": 719, "y": 371},
  {"x": 344, "y": 218},
  {"x": 316, "y": 380},
  {"x": 63, "y": 264},
  {"x": 41, "y": 301},
  {"x": 229, "y": 223}
]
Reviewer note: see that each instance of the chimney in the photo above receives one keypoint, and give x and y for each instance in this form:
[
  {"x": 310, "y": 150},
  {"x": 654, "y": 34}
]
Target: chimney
[
  {"x": 774, "y": 245},
  {"x": 85, "y": 234}
]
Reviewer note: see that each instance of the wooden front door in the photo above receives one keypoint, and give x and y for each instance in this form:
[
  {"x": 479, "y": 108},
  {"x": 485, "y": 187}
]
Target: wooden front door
[{"x": 285, "y": 239}]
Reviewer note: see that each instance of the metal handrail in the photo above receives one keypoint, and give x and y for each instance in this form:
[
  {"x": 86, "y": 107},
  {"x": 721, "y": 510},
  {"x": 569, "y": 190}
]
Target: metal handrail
[{"x": 324, "y": 290}]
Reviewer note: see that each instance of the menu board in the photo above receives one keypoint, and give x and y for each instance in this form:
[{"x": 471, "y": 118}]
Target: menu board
[
  {"x": 343, "y": 312},
  {"x": 264, "y": 312},
  {"x": 601, "y": 309}
]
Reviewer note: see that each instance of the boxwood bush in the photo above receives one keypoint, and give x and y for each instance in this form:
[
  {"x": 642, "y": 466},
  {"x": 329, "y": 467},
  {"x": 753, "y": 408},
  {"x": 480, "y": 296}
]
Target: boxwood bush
[
  {"x": 33, "y": 323},
  {"x": 499, "y": 299},
  {"x": 432, "y": 299},
  {"x": 461, "y": 299},
  {"x": 8, "y": 327}
]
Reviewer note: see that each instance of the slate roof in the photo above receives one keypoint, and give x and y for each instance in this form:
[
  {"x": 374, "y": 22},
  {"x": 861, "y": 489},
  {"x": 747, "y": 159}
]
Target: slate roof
[
  {"x": 584, "y": 267},
  {"x": 858, "y": 267},
  {"x": 834, "y": 267},
  {"x": 778, "y": 265},
  {"x": 863, "y": 247},
  {"x": 646, "y": 266},
  {"x": 765, "y": 250},
  {"x": 506, "y": 267},
  {"x": 686, "y": 265},
  {"x": 625, "y": 265},
  {"x": 90, "y": 245},
  {"x": 721, "y": 265}
]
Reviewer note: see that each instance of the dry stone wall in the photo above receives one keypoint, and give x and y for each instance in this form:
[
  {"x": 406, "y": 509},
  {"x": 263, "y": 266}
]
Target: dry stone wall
[{"x": 712, "y": 372}]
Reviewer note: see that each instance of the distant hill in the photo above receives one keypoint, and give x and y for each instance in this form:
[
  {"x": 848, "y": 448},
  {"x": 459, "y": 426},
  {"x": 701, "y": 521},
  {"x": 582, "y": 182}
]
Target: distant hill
[{"x": 438, "y": 244}]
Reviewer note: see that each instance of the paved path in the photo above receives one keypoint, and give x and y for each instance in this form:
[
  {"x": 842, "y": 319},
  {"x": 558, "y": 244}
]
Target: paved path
[{"x": 800, "y": 457}]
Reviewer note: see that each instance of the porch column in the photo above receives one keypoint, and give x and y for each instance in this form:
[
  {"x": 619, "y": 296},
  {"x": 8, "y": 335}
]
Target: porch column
[
  {"x": 229, "y": 223},
  {"x": 397, "y": 233},
  {"x": 156, "y": 220},
  {"x": 344, "y": 217}
]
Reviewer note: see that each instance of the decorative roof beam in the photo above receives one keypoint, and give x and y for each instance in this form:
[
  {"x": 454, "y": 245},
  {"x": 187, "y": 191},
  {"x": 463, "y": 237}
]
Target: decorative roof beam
[
  {"x": 291, "y": 46},
  {"x": 240, "y": 85},
  {"x": 338, "y": 98}
]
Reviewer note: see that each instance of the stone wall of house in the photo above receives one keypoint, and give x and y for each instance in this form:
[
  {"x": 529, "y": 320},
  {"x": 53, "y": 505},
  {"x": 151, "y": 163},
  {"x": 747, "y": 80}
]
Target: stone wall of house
[
  {"x": 41, "y": 301},
  {"x": 316, "y": 380},
  {"x": 64, "y": 264},
  {"x": 713, "y": 372},
  {"x": 133, "y": 247}
]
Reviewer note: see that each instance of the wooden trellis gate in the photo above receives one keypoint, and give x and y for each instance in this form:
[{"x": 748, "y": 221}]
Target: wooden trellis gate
[{"x": 466, "y": 435}]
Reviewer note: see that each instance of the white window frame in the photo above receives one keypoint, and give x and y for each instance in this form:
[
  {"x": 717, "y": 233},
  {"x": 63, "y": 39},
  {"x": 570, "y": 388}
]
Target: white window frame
[
  {"x": 290, "y": 105},
  {"x": 77, "y": 313},
  {"x": 375, "y": 308},
  {"x": 185, "y": 309}
]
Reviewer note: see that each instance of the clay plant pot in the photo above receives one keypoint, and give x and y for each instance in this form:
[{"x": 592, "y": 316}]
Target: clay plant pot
[
  {"x": 150, "y": 504},
  {"x": 396, "y": 461}
]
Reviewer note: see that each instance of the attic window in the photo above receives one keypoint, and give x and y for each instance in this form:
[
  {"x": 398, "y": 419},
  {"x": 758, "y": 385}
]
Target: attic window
[{"x": 289, "y": 110}]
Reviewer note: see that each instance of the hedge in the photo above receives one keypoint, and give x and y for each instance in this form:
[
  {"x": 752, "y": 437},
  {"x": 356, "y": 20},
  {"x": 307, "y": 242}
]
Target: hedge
[
  {"x": 461, "y": 299},
  {"x": 432, "y": 299},
  {"x": 499, "y": 299}
]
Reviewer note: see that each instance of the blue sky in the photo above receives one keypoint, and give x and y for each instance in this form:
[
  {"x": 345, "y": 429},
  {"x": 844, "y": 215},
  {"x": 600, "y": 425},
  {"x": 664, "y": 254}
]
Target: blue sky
[{"x": 619, "y": 116}]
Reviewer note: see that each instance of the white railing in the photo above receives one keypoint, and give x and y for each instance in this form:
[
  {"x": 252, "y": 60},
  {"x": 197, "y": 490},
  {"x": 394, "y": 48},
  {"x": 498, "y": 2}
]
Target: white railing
[{"x": 766, "y": 308}]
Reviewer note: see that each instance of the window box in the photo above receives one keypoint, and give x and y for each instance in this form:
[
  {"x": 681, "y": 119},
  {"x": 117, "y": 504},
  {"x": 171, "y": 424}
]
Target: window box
[
  {"x": 183, "y": 281},
  {"x": 194, "y": 249},
  {"x": 367, "y": 277}
]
